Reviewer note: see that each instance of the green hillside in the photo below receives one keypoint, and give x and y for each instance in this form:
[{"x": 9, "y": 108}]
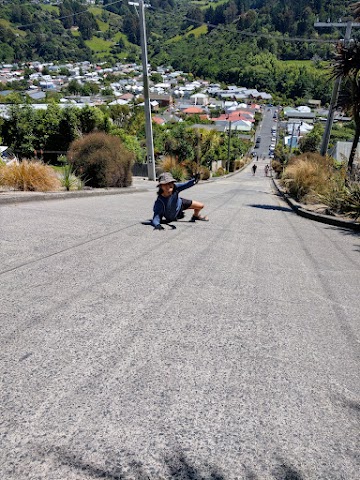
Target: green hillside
[
  {"x": 266, "y": 44},
  {"x": 271, "y": 45},
  {"x": 70, "y": 31}
]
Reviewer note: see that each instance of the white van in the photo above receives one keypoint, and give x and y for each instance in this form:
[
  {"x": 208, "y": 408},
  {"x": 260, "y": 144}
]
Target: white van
[{"x": 7, "y": 155}]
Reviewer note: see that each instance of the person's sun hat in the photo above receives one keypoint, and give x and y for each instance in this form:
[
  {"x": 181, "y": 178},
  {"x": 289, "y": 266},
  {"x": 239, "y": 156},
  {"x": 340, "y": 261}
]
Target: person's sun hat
[{"x": 166, "y": 177}]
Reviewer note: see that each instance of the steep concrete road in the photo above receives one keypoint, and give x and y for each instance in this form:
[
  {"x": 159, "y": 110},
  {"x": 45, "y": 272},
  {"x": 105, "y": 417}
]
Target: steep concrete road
[{"x": 221, "y": 350}]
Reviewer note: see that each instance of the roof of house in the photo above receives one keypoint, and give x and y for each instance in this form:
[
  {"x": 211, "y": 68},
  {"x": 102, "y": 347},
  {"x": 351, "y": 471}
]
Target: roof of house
[
  {"x": 37, "y": 95},
  {"x": 235, "y": 116},
  {"x": 297, "y": 114},
  {"x": 158, "y": 120},
  {"x": 193, "y": 110},
  {"x": 199, "y": 95},
  {"x": 127, "y": 96}
]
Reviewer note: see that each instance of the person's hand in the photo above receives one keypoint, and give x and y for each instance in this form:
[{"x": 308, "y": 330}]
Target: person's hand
[
  {"x": 159, "y": 227},
  {"x": 197, "y": 177}
]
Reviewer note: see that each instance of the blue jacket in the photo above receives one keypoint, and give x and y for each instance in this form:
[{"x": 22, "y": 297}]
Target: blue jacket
[{"x": 170, "y": 207}]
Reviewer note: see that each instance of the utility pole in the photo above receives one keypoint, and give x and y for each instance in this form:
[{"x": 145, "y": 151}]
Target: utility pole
[
  {"x": 148, "y": 122},
  {"x": 228, "y": 155},
  {"x": 337, "y": 83},
  {"x": 292, "y": 137}
]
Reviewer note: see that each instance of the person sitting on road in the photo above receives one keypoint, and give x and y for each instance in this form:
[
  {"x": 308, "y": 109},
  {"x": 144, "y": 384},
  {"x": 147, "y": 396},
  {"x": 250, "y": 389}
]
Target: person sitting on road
[{"x": 169, "y": 205}]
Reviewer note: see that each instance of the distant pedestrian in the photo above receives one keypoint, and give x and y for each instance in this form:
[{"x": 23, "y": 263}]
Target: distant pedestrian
[
  {"x": 257, "y": 158},
  {"x": 169, "y": 205},
  {"x": 254, "y": 167},
  {"x": 266, "y": 169}
]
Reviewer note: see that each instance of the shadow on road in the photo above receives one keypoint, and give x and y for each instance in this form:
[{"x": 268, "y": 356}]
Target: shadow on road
[
  {"x": 271, "y": 207},
  {"x": 177, "y": 467},
  {"x": 350, "y": 232}
]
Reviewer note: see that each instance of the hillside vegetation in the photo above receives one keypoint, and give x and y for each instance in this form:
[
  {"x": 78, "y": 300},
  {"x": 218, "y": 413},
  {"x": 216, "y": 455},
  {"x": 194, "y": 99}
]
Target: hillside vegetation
[{"x": 236, "y": 41}]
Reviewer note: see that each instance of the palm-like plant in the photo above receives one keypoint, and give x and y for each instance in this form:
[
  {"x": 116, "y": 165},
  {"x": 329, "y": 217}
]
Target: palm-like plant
[
  {"x": 347, "y": 66},
  {"x": 355, "y": 7}
]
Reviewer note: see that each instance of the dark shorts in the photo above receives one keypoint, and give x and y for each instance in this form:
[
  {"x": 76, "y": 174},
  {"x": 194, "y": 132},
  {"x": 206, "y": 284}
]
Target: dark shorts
[{"x": 185, "y": 203}]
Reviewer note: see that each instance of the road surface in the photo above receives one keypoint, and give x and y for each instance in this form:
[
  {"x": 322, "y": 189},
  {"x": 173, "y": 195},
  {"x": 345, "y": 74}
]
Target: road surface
[
  {"x": 222, "y": 350},
  {"x": 264, "y": 132}
]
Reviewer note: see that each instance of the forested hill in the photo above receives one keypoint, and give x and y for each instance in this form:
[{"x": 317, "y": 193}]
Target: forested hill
[
  {"x": 265, "y": 25},
  {"x": 63, "y": 29},
  {"x": 235, "y": 41},
  {"x": 246, "y": 42}
]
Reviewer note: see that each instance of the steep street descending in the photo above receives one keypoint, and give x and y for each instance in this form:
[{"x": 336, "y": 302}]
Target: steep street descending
[{"x": 221, "y": 350}]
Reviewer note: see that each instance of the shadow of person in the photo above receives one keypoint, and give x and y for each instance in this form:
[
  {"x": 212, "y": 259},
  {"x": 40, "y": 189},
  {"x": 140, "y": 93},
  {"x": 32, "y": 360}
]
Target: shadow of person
[
  {"x": 270, "y": 207},
  {"x": 148, "y": 222}
]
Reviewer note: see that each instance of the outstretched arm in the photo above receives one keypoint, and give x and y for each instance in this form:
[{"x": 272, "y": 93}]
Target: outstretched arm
[
  {"x": 158, "y": 213},
  {"x": 188, "y": 184}
]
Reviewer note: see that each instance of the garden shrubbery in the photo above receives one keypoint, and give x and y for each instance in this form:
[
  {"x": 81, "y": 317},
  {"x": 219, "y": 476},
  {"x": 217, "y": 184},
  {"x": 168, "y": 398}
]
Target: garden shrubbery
[
  {"x": 29, "y": 175},
  {"x": 345, "y": 199},
  {"x": 170, "y": 164},
  {"x": 241, "y": 162},
  {"x": 205, "y": 173},
  {"x": 101, "y": 160},
  {"x": 219, "y": 172},
  {"x": 311, "y": 176}
]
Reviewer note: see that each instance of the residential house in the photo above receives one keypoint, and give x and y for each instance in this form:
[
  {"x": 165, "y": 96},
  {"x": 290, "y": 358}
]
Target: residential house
[
  {"x": 341, "y": 152},
  {"x": 36, "y": 95},
  {"x": 164, "y": 100},
  {"x": 199, "y": 99},
  {"x": 158, "y": 120},
  {"x": 194, "y": 110}
]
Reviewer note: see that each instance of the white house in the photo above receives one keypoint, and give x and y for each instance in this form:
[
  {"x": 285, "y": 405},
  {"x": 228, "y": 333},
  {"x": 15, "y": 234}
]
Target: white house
[{"x": 200, "y": 99}]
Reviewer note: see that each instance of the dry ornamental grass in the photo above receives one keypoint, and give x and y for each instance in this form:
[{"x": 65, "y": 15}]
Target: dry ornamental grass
[
  {"x": 29, "y": 175},
  {"x": 310, "y": 176}
]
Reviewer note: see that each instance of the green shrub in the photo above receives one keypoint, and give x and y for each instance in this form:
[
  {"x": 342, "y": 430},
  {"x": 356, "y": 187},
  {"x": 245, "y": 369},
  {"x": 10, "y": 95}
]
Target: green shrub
[
  {"x": 69, "y": 180},
  {"x": 241, "y": 162},
  {"x": 102, "y": 160},
  {"x": 178, "y": 172},
  {"x": 277, "y": 168},
  {"x": 344, "y": 199},
  {"x": 219, "y": 172},
  {"x": 205, "y": 173}
]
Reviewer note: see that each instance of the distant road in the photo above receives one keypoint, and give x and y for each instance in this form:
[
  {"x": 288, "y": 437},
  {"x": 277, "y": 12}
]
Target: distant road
[
  {"x": 222, "y": 350},
  {"x": 264, "y": 131}
]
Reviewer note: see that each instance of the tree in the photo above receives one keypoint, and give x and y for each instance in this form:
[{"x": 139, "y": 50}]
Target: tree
[
  {"x": 90, "y": 119},
  {"x": 311, "y": 141},
  {"x": 87, "y": 25}
]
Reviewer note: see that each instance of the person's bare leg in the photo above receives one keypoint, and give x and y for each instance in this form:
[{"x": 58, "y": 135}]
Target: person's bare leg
[{"x": 197, "y": 207}]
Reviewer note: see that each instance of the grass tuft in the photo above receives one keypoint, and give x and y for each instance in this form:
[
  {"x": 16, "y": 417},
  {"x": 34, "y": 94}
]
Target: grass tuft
[
  {"x": 310, "y": 176},
  {"x": 170, "y": 164},
  {"x": 29, "y": 175}
]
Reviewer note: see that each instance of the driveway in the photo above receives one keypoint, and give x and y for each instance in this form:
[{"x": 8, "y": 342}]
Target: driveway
[{"x": 221, "y": 350}]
